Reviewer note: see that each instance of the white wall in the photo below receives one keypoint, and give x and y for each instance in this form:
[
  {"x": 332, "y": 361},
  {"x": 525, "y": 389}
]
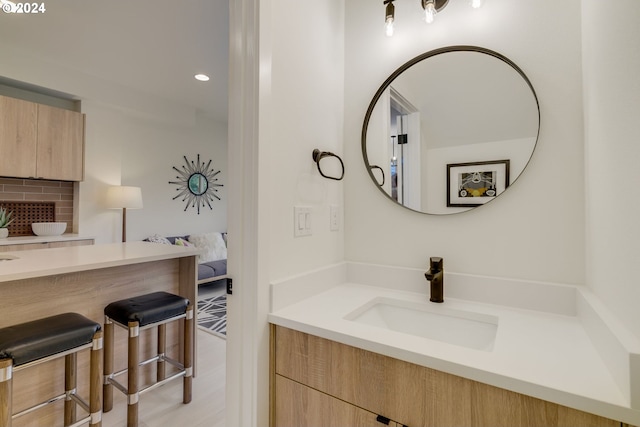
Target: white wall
[
  {"x": 286, "y": 99},
  {"x": 130, "y": 150},
  {"x": 131, "y": 139},
  {"x": 611, "y": 46},
  {"x": 303, "y": 111},
  {"x": 535, "y": 230},
  {"x": 148, "y": 162}
]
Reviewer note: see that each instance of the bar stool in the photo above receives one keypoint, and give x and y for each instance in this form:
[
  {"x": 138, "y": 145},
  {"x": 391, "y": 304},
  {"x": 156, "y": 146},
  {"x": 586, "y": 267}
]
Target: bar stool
[
  {"x": 135, "y": 315},
  {"x": 29, "y": 344}
]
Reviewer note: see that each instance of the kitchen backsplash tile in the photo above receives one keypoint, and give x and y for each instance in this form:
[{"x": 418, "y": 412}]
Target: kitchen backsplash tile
[{"x": 37, "y": 190}]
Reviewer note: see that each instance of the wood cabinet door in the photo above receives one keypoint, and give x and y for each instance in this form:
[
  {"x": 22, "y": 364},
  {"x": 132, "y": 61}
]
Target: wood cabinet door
[
  {"x": 18, "y": 121},
  {"x": 300, "y": 406},
  {"x": 60, "y": 153}
]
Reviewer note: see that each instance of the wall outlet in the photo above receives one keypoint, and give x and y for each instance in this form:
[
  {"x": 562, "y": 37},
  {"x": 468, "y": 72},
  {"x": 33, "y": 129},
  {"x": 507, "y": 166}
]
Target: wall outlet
[
  {"x": 302, "y": 221},
  {"x": 334, "y": 218}
]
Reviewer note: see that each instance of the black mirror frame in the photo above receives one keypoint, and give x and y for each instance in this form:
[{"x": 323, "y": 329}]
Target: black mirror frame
[{"x": 403, "y": 68}]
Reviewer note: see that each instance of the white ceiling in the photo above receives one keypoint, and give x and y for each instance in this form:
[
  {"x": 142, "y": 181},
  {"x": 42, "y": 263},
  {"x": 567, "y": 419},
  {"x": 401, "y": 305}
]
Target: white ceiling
[{"x": 150, "y": 46}]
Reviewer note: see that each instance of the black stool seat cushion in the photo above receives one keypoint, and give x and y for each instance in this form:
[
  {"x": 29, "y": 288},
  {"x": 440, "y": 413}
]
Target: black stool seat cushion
[
  {"x": 40, "y": 338},
  {"x": 147, "y": 309}
]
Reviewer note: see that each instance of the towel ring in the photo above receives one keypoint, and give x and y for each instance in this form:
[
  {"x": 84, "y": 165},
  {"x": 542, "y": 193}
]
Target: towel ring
[
  {"x": 319, "y": 155},
  {"x": 372, "y": 167}
]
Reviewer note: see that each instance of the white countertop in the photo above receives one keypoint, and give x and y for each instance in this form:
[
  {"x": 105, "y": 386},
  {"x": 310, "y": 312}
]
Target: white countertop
[
  {"x": 45, "y": 262},
  {"x": 21, "y": 240},
  {"x": 543, "y": 354}
]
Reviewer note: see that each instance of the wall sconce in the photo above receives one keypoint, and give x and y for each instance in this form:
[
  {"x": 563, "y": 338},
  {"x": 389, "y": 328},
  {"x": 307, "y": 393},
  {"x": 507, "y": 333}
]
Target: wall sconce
[
  {"x": 122, "y": 197},
  {"x": 430, "y": 8}
]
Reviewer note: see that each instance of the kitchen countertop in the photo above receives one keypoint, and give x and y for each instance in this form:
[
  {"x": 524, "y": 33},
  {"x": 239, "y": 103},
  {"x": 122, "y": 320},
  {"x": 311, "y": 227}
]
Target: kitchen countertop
[
  {"x": 548, "y": 355},
  {"x": 45, "y": 262},
  {"x": 21, "y": 240}
]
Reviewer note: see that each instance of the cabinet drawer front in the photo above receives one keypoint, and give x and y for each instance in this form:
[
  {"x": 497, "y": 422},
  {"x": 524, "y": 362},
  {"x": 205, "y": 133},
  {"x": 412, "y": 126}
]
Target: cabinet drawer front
[
  {"x": 23, "y": 247},
  {"x": 371, "y": 381},
  {"x": 302, "y": 406},
  {"x": 44, "y": 245},
  {"x": 71, "y": 243}
]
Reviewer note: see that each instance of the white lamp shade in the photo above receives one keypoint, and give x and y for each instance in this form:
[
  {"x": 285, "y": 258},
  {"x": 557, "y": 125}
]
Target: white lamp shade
[{"x": 119, "y": 197}]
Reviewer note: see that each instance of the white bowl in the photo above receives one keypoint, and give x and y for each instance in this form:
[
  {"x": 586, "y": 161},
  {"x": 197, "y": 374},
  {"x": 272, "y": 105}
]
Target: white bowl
[{"x": 48, "y": 228}]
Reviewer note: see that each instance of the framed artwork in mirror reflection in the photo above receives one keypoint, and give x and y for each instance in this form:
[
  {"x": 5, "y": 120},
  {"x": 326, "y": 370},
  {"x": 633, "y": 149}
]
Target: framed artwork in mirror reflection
[{"x": 475, "y": 183}]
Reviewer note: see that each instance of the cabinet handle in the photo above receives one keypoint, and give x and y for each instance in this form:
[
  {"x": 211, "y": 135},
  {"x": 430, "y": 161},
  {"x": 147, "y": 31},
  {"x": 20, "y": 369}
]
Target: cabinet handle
[{"x": 383, "y": 420}]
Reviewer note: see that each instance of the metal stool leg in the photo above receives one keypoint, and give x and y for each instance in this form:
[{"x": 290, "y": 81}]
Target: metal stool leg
[
  {"x": 70, "y": 385},
  {"x": 188, "y": 356},
  {"x": 162, "y": 348},
  {"x": 107, "y": 388},
  {"x": 95, "y": 387},
  {"x": 6, "y": 382},
  {"x": 132, "y": 398}
]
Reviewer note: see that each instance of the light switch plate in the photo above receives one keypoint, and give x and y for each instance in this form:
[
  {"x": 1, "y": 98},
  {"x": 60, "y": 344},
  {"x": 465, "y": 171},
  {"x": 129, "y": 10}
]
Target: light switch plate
[
  {"x": 334, "y": 218},
  {"x": 302, "y": 221}
]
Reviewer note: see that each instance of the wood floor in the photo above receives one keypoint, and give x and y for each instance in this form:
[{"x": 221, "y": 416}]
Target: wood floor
[{"x": 163, "y": 406}]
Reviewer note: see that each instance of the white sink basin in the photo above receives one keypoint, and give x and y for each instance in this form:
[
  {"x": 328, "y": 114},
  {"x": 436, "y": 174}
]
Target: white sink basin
[{"x": 430, "y": 320}]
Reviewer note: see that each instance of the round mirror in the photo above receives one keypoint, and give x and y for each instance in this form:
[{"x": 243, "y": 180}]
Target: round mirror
[
  {"x": 198, "y": 184},
  {"x": 450, "y": 130}
]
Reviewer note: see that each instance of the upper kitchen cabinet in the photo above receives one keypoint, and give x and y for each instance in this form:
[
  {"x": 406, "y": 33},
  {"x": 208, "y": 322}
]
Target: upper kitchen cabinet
[
  {"x": 60, "y": 153},
  {"x": 40, "y": 141},
  {"x": 18, "y": 137}
]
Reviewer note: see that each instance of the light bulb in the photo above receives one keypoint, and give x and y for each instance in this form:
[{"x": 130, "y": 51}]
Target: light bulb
[
  {"x": 389, "y": 18},
  {"x": 430, "y": 12},
  {"x": 388, "y": 27},
  {"x": 476, "y": 3}
]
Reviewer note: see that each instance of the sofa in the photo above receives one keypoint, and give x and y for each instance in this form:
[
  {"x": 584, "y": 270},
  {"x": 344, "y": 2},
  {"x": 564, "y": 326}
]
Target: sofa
[{"x": 212, "y": 264}]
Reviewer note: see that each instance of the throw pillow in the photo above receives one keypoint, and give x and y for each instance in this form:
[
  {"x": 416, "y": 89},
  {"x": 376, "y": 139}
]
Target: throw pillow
[
  {"x": 220, "y": 245},
  {"x": 182, "y": 242},
  {"x": 212, "y": 244},
  {"x": 156, "y": 238}
]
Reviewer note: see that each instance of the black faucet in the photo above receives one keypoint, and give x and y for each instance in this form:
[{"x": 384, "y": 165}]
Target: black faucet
[{"x": 435, "y": 275}]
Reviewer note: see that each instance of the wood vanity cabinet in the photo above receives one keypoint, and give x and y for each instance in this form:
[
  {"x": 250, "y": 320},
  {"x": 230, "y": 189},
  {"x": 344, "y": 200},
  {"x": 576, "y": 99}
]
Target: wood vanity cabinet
[
  {"x": 40, "y": 141},
  {"x": 318, "y": 382}
]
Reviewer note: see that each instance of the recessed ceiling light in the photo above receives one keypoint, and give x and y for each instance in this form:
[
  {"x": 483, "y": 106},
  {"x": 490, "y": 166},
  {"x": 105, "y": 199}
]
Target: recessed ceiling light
[{"x": 202, "y": 77}]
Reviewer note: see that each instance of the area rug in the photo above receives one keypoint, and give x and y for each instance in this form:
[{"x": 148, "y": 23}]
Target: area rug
[{"x": 212, "y": 315}]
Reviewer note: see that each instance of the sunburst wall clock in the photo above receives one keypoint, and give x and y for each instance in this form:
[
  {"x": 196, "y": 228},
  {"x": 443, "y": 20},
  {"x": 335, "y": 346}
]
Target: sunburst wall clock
[{"x": 197, "y": 184}]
